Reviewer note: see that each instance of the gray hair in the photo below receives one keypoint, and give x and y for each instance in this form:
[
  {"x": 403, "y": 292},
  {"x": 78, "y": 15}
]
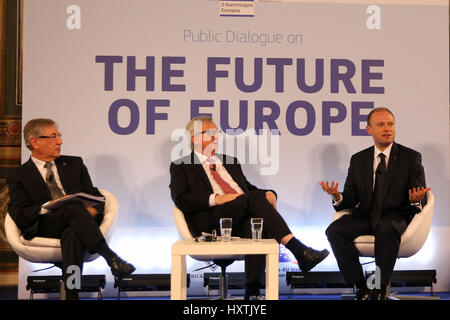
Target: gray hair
[
  {"x": 34, "y": 128},
  {"x": 192, "y": 128}
]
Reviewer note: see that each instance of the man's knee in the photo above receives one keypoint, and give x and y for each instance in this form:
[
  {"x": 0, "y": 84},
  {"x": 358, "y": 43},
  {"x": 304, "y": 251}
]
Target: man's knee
[
  {"x": 256, "y": 195},
  {"x": 70, "y": 235},
  {"x": 386, "y": 230},
  {"x": 75, "y": 208},
  {"x": 334, "y": 231}
]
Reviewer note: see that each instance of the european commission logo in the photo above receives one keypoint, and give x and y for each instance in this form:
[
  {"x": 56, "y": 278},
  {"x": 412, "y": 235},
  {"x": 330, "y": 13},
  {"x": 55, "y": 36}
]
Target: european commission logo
[{"x": 237, "y": 8}]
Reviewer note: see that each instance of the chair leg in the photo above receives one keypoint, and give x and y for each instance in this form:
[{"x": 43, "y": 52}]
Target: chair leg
[
  {"x": 62, "y": 291},
  {"x": 393, "y": 296},
  {"x": 405, "y": 297},
  {"x": 223, "y": 284}
]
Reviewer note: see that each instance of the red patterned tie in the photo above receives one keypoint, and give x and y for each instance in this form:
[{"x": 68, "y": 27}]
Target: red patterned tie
[{"x": 222, "y": 183}]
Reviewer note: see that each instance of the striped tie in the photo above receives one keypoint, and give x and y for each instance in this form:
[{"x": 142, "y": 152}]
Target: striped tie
[{"x": 55, "y": 191}]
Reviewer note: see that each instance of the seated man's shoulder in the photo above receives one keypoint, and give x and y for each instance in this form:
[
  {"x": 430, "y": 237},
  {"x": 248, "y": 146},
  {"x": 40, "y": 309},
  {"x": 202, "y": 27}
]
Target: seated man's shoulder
[
  {"x": 21, "y": 171},
  {"x": 69, "y": 159},
  {"x": 363, "y": 153},
  {"x": 404, "y": 149},
  {"x": 192, "y": 159},
  {"x": 188, "y": 159},
  {"x": 226, "y": 159}
]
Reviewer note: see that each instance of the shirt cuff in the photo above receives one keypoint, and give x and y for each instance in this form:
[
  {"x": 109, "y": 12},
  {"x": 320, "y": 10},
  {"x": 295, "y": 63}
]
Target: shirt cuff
[
  {"x": 418, "y": 205},
  {"x": 338, "y": 202},
  {"x": 43, "y": 210},
  {"x": 212, "y": 201}
]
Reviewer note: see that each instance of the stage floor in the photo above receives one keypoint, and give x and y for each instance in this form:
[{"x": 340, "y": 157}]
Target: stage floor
[{"x": 10, "y": 293}]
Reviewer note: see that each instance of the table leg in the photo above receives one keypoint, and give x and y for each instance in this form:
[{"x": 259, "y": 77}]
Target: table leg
[
  {"x": 178, "y": 280},
  {"x": 272, "y": 277}
]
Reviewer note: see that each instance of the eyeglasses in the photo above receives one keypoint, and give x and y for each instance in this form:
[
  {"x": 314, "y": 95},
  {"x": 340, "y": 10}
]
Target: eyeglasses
[
  {"x": 212, "y": 132},
  {"x": 53, "y": 136}
]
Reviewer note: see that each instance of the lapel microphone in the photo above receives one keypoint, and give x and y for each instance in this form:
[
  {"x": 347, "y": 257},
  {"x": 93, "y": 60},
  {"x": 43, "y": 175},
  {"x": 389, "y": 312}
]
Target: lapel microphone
[{"x": 214, "y": 166}]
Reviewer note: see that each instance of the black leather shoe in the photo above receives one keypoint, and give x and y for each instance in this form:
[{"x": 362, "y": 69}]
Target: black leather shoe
[
  {"x": 311, "y": 258},
  {"x": 251, "y": 291},
  {"x": 362, "y": 294},
  {"x": 121, "y": 268},
  {"x": 377, "y": 294}
]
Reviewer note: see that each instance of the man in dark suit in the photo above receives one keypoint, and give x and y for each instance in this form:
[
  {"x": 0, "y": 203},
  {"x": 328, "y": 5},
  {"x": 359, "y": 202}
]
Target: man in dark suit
[
  {"x": 207, "y": 186},
  {"x": 44, "y": 178},
  {"x": 385, "y": 187}
]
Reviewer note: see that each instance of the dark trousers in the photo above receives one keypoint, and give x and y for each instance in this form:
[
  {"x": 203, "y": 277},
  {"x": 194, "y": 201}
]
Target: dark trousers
[
  {"x": 77, "y": 229},
  {"x": 342, "y": 232},
  {"x": 252, "y": 204}
]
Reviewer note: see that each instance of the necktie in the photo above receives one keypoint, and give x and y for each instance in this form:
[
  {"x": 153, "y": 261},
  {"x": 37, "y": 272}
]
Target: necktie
[
  {"x": 55, "y": 191},
  {"x": 222, "y": 183},
  {"x": 377, "y": 200}
]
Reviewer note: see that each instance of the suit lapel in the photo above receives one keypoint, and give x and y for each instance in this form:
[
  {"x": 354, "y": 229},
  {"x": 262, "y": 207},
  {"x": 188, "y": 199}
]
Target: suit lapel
[
  {"x": 392, "y": 166},
  {"x": 199, "y": 171},
  {"x": 235, "y": 174},
  {"x": 368, "y": 172},
  {"x": 35, "y": 177},
  {"x": 61, "y": 166}
]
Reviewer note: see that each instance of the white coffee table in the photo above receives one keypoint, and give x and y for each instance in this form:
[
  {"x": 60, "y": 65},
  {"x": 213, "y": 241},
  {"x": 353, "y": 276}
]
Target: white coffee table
[{"x": 181, "y": 248}]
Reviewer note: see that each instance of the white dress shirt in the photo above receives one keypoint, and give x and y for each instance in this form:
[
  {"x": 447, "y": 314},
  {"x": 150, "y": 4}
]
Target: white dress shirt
[
  {"x": 223, "y": 174},
  {"x": 377, "y": 160}
]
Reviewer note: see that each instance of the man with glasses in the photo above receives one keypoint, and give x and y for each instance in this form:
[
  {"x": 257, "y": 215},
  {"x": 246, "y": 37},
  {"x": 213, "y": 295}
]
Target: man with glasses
[
  {"x": 207, "y": 187},
  {"x": 385, "y": 187},
  {"x": 48, "y": 176}
]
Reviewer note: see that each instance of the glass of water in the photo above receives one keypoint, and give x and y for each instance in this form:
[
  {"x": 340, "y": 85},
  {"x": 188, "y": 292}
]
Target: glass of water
[
  {"x": 225, "y": 228},
  {"x": 257, "y": 228}
]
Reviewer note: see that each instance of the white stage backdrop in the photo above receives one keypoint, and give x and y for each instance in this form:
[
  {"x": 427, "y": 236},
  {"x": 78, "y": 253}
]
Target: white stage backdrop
[{"x": 122, "y": 78}]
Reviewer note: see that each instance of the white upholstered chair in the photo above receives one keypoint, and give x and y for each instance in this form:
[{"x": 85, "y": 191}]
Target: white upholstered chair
[
  {"x": 412, "y": 239},
  {"x": 48, "y": 250},
  {"x": 221, "y": 260}
]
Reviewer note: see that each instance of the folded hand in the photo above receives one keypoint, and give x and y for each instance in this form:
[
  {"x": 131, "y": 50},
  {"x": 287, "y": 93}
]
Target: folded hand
[
  {"x": 92, "y": 211},
  {"x": 224, "y": 198},
  {"x": 270, "y": 196}
]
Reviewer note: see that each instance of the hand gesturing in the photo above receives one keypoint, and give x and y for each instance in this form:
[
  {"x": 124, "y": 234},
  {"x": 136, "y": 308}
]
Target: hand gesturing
[
  {"x": 331, "y": 189},
  {"x": 417, "y": 194}
]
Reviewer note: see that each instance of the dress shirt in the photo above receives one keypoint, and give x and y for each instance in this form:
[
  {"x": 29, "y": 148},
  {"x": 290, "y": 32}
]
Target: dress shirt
[
  {"x": 377, "y": 160},
  {"x": 223, "y": 174}
]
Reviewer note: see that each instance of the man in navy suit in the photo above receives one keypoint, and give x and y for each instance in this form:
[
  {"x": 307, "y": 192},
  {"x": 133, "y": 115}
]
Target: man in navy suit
[
  {"x": 385, "y": 187},
  {"x": 198, "y": 189},
  {"x": 44, "y": 178}
]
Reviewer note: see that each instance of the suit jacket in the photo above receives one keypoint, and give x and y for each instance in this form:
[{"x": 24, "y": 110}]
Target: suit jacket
[
  {"x": 404, "y": 171},
  {"x": 28, "y": 190},
  {"x": 190, "y": 188}
]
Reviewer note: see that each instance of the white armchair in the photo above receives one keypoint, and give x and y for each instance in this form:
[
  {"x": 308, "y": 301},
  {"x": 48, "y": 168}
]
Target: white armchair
[
  {"x": 412, "y": 239},
  {"x": 48, "y": 250}
]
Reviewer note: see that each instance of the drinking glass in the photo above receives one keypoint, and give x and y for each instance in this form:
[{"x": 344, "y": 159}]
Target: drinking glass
[
  {"x": 257, "y": 228},
  {"x": 225, "y": 228}
]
